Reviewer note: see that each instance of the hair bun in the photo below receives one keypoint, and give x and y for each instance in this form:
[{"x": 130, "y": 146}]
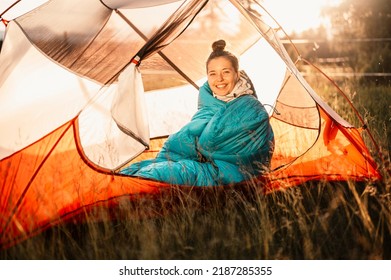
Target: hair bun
[{"x": 218, "y": 45}]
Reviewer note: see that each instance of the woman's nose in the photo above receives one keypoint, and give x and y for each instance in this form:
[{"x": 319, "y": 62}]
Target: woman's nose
[{"x": 220, "y": 77}]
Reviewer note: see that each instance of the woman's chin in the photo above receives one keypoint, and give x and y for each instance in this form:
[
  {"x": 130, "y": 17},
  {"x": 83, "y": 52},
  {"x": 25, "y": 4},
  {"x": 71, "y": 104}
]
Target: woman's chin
[{"x": 221, "y": 93}]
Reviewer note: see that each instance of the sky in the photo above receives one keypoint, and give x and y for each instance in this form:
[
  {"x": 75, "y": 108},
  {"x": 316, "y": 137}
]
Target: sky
[{"x": 293, "y": 15}]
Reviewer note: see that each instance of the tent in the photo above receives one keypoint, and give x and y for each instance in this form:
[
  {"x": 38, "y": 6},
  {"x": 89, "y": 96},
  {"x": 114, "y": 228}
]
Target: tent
[{"x": 86, "y": 87}]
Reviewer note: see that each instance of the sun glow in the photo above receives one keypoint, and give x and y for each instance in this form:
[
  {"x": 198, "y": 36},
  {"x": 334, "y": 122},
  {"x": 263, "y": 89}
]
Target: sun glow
[{"x": 299, "y": 15}]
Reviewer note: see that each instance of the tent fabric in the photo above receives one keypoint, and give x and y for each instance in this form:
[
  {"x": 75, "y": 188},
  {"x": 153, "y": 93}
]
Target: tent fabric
[
  {"x": 64, "y": 136},
  {"x": 34, "y": 92},
  {"x": 56, "y": 182},
  {"x": 224, "y": 143},
  {"x": 117, "y": 4}
]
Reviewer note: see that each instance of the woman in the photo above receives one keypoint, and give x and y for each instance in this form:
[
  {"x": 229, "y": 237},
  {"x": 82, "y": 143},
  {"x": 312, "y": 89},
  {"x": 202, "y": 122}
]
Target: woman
[{"x": 228, "y": 140}]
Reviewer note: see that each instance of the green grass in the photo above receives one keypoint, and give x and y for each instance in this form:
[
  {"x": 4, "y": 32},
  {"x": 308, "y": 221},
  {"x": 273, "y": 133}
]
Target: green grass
[{"x": 318, "y": 220}]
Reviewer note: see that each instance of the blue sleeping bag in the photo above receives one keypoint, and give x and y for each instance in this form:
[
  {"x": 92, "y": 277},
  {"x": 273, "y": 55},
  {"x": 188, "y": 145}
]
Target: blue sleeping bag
[{"x": 223, "y": 143}]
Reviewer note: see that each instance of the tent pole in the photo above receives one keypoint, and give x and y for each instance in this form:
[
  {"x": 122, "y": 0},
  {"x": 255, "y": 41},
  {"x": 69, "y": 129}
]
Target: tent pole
[
  {"x": 172, "y": 64},
  {"x": 9, "y": 8}
]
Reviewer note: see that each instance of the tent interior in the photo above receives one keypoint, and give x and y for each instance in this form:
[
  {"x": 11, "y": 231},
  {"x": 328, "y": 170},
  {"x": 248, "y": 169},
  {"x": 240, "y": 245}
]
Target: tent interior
[{"x": 97, "y": 44}]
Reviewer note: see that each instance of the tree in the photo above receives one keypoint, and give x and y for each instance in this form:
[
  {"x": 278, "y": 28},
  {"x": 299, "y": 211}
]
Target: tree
[{"x": 364, "y": 29}]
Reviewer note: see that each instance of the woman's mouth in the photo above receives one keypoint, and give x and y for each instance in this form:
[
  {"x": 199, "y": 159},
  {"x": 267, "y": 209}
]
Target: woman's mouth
[{"x": 221, "y": 86}]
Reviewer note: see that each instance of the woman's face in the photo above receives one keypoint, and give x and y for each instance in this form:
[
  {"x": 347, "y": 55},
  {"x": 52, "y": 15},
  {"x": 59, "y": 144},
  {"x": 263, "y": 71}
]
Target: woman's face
[{"x": 222, "y": 77}]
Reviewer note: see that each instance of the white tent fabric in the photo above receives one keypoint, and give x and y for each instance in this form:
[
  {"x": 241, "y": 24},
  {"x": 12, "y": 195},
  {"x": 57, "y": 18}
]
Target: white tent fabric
[
  {"x": 33, "y": 106},
  {"x": 28, "y": 115},
  {"x": 114, "y": 127}
]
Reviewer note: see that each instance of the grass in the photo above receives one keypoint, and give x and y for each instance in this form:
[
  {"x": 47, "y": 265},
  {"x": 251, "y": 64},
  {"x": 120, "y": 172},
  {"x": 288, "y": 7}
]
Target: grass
[{"x": 318, "y": 220}]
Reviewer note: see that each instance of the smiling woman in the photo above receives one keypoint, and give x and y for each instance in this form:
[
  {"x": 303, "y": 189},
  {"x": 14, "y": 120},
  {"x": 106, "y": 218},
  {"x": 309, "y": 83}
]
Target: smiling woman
[
  {"x": 228, "y": 140},
  {"x": 222, "y": 70}
]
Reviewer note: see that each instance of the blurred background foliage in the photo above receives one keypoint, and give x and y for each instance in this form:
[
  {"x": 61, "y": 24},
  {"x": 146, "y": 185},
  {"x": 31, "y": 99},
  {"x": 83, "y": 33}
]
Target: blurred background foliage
[{"x": 359, "y": 39}]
